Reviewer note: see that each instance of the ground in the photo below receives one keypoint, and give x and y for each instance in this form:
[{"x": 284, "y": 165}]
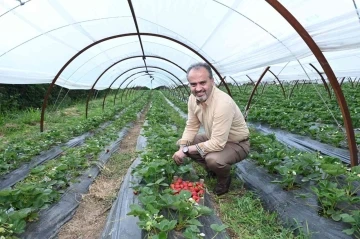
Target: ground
[{"x": 90, "y": 217}]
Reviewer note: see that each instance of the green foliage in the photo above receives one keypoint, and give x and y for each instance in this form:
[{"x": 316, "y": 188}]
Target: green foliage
[
  {"x": 45, "y": 183},
  {"x": 304, "y": 113}
]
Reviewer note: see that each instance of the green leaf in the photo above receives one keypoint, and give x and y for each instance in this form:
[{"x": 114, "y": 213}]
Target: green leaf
[
  {"x": 218, "y": 228},
  {"x": 5, "y": 192},
  {"x": 204, "y": 210},
  {"x": 336, "y": 217},
  {"x": 349, "y": 231},
  {"x": 194, "y": 222},
  {"x": 188, "y": 234},
  {"x": 160, "y": 180},
  {"x": 62, "y": 167},
  {"x": 347, "y": 218},
  {"x": 166, "y": 225},
  {"x": 161, "y": 235},
  {"x": 20, "y": 214},
  {"x": 38, "y": 169}
]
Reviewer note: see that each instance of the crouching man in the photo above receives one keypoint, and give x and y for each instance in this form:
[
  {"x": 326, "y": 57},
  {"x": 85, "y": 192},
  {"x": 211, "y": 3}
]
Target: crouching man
[{"x": 226, "y": 138}]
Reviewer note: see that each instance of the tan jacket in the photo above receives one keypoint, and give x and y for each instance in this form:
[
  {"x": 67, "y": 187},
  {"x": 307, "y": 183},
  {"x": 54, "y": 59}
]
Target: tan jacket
[{"x": 221, "y": 118}]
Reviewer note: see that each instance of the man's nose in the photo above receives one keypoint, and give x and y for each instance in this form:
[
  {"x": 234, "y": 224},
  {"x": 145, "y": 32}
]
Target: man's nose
[{"x": 198, "y": 88}]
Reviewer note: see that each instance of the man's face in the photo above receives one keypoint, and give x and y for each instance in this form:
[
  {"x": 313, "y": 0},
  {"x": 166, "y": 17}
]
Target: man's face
[{"x": 200, "y": 83}]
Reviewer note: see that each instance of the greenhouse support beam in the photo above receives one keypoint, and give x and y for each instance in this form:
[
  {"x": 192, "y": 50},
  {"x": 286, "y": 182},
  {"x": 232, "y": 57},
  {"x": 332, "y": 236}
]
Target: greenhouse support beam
[
  {"x": 138, "y": 32},
  {"x": 329, "y": 73},
  {"x": 292, "y": 89},
  {"x": 342, "y": 81},
  {"x": 281, "y": 85},
  {"x": 246, "y": 85},
  {"x": 117, "y": 62},
  {"x": 236, "y": 84},
  {"x": 262, "y": 90},
  {"x": 252, "y": 82},
  {"x": 149, "y": 67},
  {"x": 46, "y": 97},
  {"x": 131, "y": 57},
  {"x": 253, "y": 91},
  {"x": 108, "y": 89},
  {"x": 323, "y": 80},
  {"x": 126, "y": 89},
  {"x": 352, "y": 82},
  {"x": 87, "y": 102}
]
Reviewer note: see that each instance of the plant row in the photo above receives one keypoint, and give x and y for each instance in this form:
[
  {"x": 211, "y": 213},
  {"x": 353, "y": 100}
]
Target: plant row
[
  {"x": 45, "y": 184},
  {"x": 309, "y": 111},
  {"x": 22, "y": 145},
  {"x": 335, "y": 185},
  {"x": 165, "y": 206}
]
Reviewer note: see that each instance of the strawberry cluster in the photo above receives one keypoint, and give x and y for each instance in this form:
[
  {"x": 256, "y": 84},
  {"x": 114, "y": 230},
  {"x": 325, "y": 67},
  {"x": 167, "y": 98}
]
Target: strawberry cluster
[{"x": 196, "y": 189}]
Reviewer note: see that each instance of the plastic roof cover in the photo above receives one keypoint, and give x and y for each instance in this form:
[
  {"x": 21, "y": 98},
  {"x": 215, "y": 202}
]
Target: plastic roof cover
[{"x": 238, "y": 37}]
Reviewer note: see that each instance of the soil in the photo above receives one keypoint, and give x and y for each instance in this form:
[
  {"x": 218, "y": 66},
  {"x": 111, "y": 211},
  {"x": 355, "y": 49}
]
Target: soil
[{"x": 90, "y": 217}]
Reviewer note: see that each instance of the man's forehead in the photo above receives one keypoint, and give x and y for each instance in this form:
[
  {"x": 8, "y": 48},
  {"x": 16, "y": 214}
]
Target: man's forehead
[{"x": 200, "y": 71}]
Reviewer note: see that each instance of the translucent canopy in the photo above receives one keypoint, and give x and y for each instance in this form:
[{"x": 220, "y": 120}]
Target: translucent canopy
[{"x": 239, "y": 38}]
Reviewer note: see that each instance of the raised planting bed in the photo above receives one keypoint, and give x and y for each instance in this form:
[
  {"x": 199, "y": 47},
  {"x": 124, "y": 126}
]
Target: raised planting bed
[{"x": 49, "y": 195}]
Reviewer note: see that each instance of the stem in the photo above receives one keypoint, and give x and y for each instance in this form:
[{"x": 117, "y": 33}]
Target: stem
[{"x": 215, "y": 235}]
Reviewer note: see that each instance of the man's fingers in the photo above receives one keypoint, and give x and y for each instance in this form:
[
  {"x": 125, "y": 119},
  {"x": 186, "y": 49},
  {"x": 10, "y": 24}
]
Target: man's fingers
[{"x": 177, "y": 160}]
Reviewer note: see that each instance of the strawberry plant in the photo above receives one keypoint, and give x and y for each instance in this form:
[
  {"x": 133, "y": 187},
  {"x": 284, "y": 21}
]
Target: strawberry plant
[{"x": 45, "y": 184}]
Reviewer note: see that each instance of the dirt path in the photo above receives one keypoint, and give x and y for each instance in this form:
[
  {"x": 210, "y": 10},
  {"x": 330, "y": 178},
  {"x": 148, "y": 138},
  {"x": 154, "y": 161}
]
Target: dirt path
[{"x": 90, "y": 217}]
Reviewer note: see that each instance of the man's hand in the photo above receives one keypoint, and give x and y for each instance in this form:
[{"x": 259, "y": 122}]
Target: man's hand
[{"x": 178, "y": 157}]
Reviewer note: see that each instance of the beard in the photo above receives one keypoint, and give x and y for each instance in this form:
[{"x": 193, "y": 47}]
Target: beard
[{"x": 202, "y": 98}]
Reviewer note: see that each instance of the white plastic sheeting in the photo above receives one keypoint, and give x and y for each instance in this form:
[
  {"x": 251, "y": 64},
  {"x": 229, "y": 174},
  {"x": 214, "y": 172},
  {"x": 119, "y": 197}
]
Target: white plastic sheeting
[{"x": 239, "y": 37}]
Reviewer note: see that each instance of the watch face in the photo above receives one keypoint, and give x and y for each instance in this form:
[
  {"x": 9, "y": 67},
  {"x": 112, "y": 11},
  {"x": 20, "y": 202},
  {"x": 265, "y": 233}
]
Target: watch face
[{"x": 185, "y": 149}]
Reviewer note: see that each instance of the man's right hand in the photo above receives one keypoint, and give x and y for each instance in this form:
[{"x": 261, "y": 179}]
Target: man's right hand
[{"x": 178, "y": 157}]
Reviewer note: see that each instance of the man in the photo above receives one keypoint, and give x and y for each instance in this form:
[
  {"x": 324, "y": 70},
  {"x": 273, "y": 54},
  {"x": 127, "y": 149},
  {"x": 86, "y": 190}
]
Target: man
[{"x": 226, "y": 138}]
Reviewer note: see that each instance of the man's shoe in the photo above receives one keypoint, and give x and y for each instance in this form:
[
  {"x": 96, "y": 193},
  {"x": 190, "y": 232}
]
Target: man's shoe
[{"x": 222, "y": 186}]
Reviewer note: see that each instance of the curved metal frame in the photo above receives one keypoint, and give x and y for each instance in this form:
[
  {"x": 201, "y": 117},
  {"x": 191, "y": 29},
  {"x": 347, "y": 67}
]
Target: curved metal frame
[
  {"x": 252, "y": 82},
  {"x": 87, "y": 101},
  {"x": 236, "y": 84},
  {"x": 149, "y": 67},
  {"x": 145, "y": 71},
  {"x": 253, "y": 91},
  {"x": 262, "y": 90},
  {"x": 281, "y": 85},
  {"x": 46, "y": 97},
  {"x": 122, "y": 83},
  {"x": 119, "y": 61},
  {"x": 342, "y": 81},
  {"x": 329, "y": 73},
  {"x": 323, "y": 80},
  {"x": 292, "y": 89},
  {"x": 108, "y": 90}
]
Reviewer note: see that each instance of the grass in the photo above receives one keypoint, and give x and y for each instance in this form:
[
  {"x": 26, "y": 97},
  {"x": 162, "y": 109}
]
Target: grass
[{"x": 242, "y": 211}]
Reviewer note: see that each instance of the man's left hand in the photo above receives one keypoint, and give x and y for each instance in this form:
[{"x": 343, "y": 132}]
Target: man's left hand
[{"x": 178, "y": 157}]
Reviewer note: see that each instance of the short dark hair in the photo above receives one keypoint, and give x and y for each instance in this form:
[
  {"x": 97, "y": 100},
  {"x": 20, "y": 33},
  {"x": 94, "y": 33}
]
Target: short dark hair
[{"x": 198, "y": 66}]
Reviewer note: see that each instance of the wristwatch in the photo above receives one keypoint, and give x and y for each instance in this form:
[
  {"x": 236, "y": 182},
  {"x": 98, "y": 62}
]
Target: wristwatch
[{"x": 185, "y": 150}]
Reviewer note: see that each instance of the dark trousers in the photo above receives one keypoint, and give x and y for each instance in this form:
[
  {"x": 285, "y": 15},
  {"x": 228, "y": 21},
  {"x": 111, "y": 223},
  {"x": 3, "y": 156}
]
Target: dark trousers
[{"x": 220, "y": 162}]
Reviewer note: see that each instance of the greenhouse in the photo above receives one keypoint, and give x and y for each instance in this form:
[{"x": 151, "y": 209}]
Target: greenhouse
[{"x": 97, "y": 99}]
